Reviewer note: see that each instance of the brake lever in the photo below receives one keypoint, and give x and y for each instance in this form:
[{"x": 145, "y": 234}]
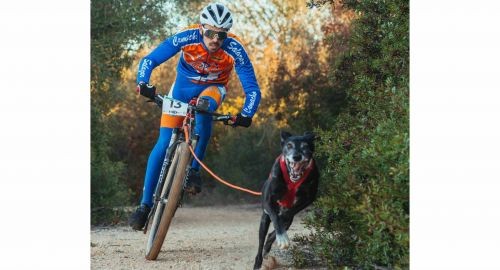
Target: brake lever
[
  {"x": 232, "y": 119},
  {"x": 225, "y": 119},
  {"x": 157, "y": 102}
]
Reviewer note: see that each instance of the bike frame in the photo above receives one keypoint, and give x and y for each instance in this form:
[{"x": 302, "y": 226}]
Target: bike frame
[
  {"x": 185, "y": 137},
  {"x": 178, "y": 136}
]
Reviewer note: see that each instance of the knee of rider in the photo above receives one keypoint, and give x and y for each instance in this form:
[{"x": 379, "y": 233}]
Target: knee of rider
[{"x": 212, "y": 103}]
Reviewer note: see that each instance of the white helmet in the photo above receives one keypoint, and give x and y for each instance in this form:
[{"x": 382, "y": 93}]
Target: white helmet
[{"x": 216, "y": 15}]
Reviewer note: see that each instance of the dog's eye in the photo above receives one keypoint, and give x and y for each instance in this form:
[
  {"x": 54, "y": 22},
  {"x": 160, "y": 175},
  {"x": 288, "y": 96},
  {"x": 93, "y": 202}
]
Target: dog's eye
[
  {"x": 304, "y": 145},
  {"x": 289, "y": 145}
]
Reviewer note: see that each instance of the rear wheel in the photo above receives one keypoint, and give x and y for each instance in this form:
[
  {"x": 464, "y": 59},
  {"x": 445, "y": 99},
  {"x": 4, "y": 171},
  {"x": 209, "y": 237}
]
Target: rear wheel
[{"x": 169, "y": 201}]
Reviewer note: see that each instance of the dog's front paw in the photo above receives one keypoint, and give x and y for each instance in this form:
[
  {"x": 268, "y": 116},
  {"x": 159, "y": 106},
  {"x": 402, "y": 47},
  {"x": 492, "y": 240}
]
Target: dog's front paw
[
  {"x": 283, "y": 241},
  {"x": 269, "y": 264}
]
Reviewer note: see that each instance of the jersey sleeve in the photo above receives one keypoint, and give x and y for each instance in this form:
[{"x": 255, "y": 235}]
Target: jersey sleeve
[
  {"x": 246, "y": 74},
  {"x": 164, "y": 51}
]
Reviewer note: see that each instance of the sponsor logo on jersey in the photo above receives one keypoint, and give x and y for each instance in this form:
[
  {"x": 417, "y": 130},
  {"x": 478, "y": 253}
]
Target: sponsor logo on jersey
[
  {"x": 176, "y": 40},
  {"x": 144, "y": 66},
  {"x": 233, "y": 46},
  {"x": 251, "y": 103}
]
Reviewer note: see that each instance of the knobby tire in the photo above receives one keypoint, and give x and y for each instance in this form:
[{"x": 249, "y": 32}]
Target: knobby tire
[{"x": 165, "y": 212}]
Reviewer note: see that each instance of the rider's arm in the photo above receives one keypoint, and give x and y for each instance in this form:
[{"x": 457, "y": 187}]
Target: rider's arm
[
  {"x": 165, "y": 51},
  {"x": 246, "y": 73}
]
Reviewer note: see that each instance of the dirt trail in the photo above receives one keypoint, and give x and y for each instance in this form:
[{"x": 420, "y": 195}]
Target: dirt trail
[{"x": 199, "y": 238}]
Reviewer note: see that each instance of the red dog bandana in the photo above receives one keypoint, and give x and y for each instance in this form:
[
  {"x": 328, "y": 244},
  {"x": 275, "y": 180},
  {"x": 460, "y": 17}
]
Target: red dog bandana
[{"x": 289, "y": 197}]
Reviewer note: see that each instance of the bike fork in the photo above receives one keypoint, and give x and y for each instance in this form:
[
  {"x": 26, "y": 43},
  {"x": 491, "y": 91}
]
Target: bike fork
[{"x": 164, "y": 169}]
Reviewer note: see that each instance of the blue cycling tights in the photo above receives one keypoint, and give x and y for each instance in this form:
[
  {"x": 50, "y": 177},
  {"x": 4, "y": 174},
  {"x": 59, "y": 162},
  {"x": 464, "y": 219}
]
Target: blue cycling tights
[{"x": 203, "y": 128}]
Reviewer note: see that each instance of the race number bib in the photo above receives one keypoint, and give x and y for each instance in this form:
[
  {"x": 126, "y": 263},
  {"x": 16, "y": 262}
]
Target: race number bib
[{"x": 174, "y": 107}]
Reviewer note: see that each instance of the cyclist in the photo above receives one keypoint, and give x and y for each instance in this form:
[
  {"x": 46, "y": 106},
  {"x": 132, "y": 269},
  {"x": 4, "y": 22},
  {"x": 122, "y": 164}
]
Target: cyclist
[{"x": 208, "y": 55}]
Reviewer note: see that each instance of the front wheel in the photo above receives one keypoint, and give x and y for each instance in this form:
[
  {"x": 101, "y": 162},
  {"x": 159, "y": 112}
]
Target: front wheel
[{"x": 168, "y": 204}]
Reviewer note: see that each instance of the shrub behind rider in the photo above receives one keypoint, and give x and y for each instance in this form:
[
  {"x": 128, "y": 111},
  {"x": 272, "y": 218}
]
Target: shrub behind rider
[{"x": 208, "y": 55}]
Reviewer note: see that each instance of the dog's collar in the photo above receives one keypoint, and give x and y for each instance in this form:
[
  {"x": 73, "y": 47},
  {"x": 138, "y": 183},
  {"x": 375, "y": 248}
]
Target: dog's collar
[{"x": 292, "y": 186}]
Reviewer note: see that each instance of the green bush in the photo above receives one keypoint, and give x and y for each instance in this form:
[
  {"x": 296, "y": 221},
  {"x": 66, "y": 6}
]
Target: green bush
[
  {"x": 361, "y": 219},
  {"x": 116, "y": 29},
  {"x": 107, "y": 189}
]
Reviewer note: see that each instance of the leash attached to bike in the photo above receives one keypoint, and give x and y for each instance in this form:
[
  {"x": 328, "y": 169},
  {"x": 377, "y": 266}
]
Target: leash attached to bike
[
  {"x": 203, "y": 108},
  {"x": 220, "y": 179}
]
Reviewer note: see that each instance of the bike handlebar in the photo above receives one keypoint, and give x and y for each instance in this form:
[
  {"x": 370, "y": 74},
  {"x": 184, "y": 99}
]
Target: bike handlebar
[
  {"x": 225, "y": 118},
  {"x": 158, "y": 100}
]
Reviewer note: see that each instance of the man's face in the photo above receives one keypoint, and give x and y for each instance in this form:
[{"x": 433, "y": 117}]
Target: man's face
[{"x": 213, "y": 37}]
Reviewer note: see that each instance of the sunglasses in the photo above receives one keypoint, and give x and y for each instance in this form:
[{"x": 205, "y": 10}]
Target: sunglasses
[{"x": 212, "y": 34}]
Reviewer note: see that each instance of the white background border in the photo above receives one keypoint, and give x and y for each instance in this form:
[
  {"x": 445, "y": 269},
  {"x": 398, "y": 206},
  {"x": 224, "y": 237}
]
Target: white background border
[
  {"x": 455, "y": 138},
  {"x": 45, "y": 135}
]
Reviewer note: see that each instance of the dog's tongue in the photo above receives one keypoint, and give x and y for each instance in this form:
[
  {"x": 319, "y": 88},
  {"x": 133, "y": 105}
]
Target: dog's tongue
[
  {"x": 296, "y": 170},
  {"x": 296, "y": 166}
]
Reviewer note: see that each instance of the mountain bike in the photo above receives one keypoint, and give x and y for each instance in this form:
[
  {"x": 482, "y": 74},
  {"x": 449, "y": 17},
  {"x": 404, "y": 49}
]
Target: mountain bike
[{"x": 177, "y": 162}]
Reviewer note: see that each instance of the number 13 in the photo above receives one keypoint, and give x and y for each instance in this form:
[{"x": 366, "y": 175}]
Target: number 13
[{"x": 175, "y": 105}]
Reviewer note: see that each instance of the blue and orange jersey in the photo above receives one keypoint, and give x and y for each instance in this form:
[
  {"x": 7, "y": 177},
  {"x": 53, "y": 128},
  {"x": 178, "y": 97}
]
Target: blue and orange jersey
[{"x": 202, "y": 67}]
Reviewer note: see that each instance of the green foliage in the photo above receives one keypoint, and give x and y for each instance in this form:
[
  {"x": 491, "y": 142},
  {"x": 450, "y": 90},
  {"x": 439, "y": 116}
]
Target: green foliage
[
  {"x": 116, "y": 28},
  {"x": 362, "y": 217},
  {"x": 307, "y": 96},
  {"x": 107, "y": 189},
  {"x": 304, "y": 255},
  {"x": 364, "y": 211}
]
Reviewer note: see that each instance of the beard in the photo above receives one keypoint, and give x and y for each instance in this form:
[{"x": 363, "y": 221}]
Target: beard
[{"x": 214, "y": 46}]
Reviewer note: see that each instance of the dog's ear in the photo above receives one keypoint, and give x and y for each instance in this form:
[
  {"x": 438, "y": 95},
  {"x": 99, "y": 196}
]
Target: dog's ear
[
  {"x": 309, "y": 135},
  {"x": 284, "y": 135}
]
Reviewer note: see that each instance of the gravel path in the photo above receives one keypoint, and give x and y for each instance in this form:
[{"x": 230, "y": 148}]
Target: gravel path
[{"x": 199, "y": 238}]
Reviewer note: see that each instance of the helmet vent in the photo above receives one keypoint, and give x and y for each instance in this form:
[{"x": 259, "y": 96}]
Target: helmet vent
[
  {"x": 220, "y": 10},
  {"x": 212, "y": 13},
  {"x": 216, "y": 15},
  {"x": 226, "y": 17}
]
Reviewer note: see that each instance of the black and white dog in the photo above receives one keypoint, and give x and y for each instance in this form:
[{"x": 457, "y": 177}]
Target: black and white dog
[{"x": 292, "y": 186}]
